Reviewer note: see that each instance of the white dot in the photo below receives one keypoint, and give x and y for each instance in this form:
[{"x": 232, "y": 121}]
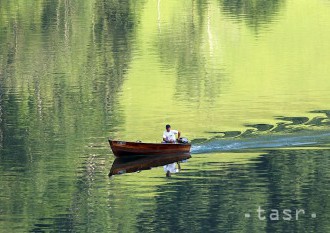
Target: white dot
[
  {"x": 313, "y": 215},
  {"x": 247, "y": 215}
]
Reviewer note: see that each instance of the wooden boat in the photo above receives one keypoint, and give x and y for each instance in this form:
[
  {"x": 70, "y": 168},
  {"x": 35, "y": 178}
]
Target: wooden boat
[
  {"x": 139, "y": 163},
  {"x": 124, "y": 149}
]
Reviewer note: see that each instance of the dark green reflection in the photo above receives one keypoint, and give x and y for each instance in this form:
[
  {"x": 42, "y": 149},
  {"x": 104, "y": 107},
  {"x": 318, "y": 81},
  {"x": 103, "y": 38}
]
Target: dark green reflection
[
  {"x": 217, "y": 199},
  {"x": 62, "y": 66},
  {"x": 257, "y": 14}
]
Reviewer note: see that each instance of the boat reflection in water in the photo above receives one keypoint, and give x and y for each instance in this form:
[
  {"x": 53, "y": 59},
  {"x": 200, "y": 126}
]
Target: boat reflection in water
[{"x": 139, "y": 163}]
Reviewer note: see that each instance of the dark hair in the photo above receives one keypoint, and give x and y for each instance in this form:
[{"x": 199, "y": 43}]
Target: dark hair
[{"x": 168, "y": 126}]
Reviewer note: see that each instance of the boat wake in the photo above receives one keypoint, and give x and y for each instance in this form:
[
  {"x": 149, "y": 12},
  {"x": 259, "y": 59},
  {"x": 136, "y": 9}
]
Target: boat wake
[
  {"x": 262, "y": 142},
  {"x": 288, "y": 132}
]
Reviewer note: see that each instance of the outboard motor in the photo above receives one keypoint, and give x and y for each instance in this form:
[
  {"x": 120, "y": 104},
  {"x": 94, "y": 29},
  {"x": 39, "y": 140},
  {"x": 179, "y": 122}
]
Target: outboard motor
[{"x": 183, "y": 140}]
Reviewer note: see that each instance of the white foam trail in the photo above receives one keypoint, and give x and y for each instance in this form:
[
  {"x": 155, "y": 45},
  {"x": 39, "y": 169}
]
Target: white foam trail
[{"x": 264, "y": 141}]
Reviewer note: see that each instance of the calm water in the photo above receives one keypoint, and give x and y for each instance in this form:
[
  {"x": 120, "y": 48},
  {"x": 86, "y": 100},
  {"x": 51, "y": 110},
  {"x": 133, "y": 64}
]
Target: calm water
[{"x": 246, "y": 81}]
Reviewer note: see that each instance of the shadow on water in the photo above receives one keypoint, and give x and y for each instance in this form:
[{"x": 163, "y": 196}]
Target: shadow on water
[
  {"x": 12, "y": 138},
  {"x": 62, "y": 223},
  {"x": 256, "y": 14},
  {"x": 140, "y": 163},
  {"x": 291, "y": 131}
]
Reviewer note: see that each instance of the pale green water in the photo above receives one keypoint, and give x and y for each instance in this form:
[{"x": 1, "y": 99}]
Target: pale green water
[{"x": 246, "y": 81}]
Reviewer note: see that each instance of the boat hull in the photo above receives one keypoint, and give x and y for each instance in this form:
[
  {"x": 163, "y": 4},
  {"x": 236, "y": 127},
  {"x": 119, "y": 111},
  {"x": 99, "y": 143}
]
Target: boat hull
[{"x": 126, "y": 149}]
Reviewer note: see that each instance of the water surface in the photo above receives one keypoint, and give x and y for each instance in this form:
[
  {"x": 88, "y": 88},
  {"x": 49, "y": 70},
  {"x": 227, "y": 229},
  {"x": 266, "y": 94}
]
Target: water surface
[{"x": 246, "y": 81}]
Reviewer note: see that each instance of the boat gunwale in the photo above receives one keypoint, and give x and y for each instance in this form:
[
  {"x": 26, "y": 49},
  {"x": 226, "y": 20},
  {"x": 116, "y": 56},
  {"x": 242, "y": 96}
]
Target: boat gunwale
[{"x": 152, "y": 143}]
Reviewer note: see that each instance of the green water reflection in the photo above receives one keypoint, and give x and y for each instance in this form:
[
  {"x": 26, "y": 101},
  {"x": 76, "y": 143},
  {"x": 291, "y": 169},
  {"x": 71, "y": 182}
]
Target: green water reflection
[{"x": 73, "y": 73}]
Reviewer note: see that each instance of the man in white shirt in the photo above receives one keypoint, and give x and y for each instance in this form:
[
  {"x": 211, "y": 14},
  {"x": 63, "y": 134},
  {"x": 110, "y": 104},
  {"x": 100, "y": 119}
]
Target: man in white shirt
[{"x": 169, "y": 135}]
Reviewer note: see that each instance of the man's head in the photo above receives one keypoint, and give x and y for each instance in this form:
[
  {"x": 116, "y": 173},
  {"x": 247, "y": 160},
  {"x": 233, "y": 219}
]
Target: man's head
[{"x": 168, "y": 128}]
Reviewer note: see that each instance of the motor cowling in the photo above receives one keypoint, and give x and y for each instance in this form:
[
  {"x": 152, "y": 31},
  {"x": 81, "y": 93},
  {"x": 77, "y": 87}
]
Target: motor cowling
[{"x": 183, "y": 140}]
